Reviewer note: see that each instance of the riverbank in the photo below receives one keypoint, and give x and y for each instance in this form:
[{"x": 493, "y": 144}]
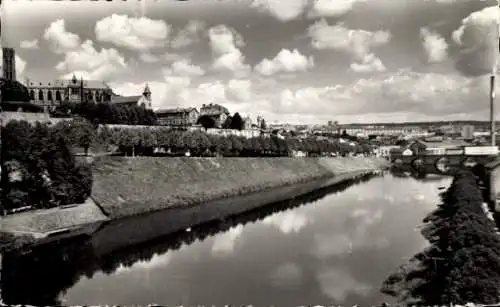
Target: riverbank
[
  {"x": 132, "y": 186},
  {"x": 201, "y": 188}
]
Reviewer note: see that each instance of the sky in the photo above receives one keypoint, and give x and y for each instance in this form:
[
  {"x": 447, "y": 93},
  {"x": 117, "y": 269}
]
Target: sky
[{"x": 295, "y": 61}]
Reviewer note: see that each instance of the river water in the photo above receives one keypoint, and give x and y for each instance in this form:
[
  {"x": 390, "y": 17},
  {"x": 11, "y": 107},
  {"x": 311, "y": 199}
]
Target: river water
[{"x": 335, "y": 247}]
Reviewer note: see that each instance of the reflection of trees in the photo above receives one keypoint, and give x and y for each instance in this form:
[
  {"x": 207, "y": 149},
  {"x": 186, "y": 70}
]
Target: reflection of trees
[{"x": 39, "y": 277}]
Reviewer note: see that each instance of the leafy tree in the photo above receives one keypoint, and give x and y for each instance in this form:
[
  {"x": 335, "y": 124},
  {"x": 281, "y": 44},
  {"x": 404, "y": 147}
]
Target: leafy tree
[
  {"x": 206, "y": 121},
  {"x": 462, "y": 263},
  {"x": 13, "y": 91},
  {"x": 227, "y": 123},
  {"x": 237, "y": 122},
  {"x": 263, "y": 125}
]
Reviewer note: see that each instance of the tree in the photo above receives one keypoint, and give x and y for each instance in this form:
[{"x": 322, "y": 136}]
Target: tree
[
  {"x": 227, "y": 123},
  {"x": 13, "y": 91},
  {"x": 462, "y": 263},
  {"x": 237, "y": 122},
  {"x": 263, "y": 125},
  {"x": 206, "y": 121}
]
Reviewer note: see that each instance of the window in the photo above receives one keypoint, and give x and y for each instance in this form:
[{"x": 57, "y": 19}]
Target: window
[
  {"x": 32, "y": 95},
  {"x": 40, "y": 95},
  {"x": 58, "y": 96},
  {"x": 49, "y": 96}
]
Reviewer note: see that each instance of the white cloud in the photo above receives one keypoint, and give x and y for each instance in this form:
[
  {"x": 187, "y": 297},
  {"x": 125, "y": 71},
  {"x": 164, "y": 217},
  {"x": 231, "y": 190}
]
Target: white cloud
[
  {"x": 133, "y": 33},
  {"x": 184, "y": 68},
  {"x": 287, "y": 222},
  {"x": 356, "y": 42},
  {"x": 225, "y": 43},
  {"x": 149, "y": 58},
  {"x": 478, "y": 42},
  {"x": 32, "y": 44},
  {"x": 285, "y": 61},
  {"x": 239, "y": 90},
  {"x": 169, "y": 56},
  {"x": 338, "y": 283},
  {"x": 92, "y": 64},
  {"x": 187, "y": 35},
  {"x": 59, "y": 39},
  {"x": 20, "y": 65},
  {"x": 369, "y": 63},
  {"x": 329, "y": 8},
  {"x": 435, "y": 45},
  {"x": 282, "y": 10},
  {"x": 224, "y": 243}
]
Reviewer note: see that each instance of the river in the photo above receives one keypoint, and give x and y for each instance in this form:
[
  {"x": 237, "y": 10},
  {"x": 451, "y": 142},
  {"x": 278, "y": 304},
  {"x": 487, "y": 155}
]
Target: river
[{"x": 331, "y": 247}]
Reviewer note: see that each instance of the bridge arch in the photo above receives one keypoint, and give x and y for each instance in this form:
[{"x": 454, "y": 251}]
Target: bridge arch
[{"x": 442, "y": 164}]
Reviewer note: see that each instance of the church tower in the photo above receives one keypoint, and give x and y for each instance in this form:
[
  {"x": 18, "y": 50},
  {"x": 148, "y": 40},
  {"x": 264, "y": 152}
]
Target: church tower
[
  {"x": 9, "y": 64},
  {"x": 145, "y": 100}
]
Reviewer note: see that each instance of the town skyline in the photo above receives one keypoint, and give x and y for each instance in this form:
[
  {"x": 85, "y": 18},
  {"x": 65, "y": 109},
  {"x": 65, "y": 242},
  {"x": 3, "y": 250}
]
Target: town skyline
[{"x": 306, "y": 62}]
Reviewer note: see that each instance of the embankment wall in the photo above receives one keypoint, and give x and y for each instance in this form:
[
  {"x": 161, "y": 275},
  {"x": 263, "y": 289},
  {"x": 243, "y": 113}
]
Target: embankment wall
[{"x": 132, "y": 186}]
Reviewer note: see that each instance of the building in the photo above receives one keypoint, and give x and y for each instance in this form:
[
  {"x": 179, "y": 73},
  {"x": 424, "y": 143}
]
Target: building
[
  {"x": 9, "y": 64},
  {"x": 177, "y": 116},
  {"x": 143, "y": 100},
  {"x": 419, "y": 147},
  {"x": 52, "y": 93},
  {"x": 215, "y": 111},
  {"x": 468, "y": 132},
  {"x": 247, "y": 123}
]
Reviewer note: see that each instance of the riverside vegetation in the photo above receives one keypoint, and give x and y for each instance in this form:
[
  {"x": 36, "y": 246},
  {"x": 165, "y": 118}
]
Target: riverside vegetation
[
  {"x": 462, "y": 262},
  {"x": 40, "y": 171}
]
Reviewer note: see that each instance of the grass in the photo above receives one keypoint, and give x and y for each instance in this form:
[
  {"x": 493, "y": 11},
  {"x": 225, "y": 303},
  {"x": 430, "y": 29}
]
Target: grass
[{"x": 131, "y": 186}]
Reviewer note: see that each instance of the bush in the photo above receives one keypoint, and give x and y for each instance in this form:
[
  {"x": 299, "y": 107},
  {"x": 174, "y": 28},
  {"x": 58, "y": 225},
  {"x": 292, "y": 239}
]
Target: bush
[
  {"x": 462, "y": 263},
  {"x": 39, "y": 170}
]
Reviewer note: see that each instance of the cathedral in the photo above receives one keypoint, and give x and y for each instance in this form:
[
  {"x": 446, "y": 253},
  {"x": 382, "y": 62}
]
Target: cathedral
[{"x": 52, "y": 93}]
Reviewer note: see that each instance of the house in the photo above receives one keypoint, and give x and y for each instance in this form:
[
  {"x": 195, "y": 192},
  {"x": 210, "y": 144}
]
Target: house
[
  {"x": 217, "y": 112},
  {"x": 143, "y": 100},
  {"x": 177, "y": 116}
]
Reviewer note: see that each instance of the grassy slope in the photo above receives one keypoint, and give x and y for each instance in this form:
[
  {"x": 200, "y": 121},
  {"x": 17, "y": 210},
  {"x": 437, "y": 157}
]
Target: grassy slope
[{"x": 129, "y": 186}]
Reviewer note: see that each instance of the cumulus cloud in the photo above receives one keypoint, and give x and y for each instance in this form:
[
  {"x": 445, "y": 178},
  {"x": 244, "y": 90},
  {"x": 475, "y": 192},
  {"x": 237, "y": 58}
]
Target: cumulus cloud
[
  {"x": 425, "y": 94},
  {"x": 148, "y": 58},
  {"x": 355, "y": 42},
  {"x": 435, "y": 45},
  {"x": 92, "y": 64},
  {"x": 32, "y": 44},
  {"x": 285, "y": 61},
  {"x": 133, "y": 33},
  {"x": 239, "y": 90},
  {"x": 338, "y": 283},
  {"x": 20, "y": 65},
  {"x": 282, "y": 10},
  {"x": 187, "y": 35},
  {"x": 478, "y": 42},
  {"x": 329, "y": 8},
  {"x": 225, "y": 43},
  {"x": 59, "y": 39},
  {"x": 287, "y": 222},
  {"x": 184, "y": 68},
  {"x": 224, "y": 243}
]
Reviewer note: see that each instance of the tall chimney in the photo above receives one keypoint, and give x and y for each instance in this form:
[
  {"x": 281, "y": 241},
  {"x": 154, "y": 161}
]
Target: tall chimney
[{"x": 492, "y": 110}]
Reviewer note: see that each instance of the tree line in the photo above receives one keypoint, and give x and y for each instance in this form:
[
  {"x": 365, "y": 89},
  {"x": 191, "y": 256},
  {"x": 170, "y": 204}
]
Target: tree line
[
  {"x": 144, "y": 140},
  {"x": 107, "y": 113},
  {"x": 39, "y": 169},
  {"x": 462, "y": 263}
]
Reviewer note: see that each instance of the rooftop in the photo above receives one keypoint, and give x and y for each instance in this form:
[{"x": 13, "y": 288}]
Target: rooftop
[
  {"x": 175, "y": 110},
  {"x": 125, "y": 99}
]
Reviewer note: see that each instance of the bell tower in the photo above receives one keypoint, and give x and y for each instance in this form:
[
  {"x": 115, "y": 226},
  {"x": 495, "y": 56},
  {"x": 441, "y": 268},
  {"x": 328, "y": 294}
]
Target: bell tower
[
  {"x": 9, "y": 63},
  {"x": 145, "y": 100}
]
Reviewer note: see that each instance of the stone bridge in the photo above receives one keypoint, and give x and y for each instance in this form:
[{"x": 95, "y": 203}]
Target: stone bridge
[{"x": 442, "y": 163}]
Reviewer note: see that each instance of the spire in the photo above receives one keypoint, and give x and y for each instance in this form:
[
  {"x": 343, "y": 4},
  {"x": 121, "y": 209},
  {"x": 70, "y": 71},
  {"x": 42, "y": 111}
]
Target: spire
[
  {"x": 147, "y": 91},
  {"x": 74, "y": 79}
]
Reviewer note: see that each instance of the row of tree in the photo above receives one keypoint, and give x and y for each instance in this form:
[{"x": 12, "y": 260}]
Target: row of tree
[
  {"x": 39, "y": 169},
  {"x": 142, "y": 141},
  {"x": 462, "y": 263},
  {"x": 107, "y": 113}
]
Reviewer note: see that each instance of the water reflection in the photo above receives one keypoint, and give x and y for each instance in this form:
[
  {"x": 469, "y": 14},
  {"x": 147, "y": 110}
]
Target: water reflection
[{"x": 337, "y": 249}]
